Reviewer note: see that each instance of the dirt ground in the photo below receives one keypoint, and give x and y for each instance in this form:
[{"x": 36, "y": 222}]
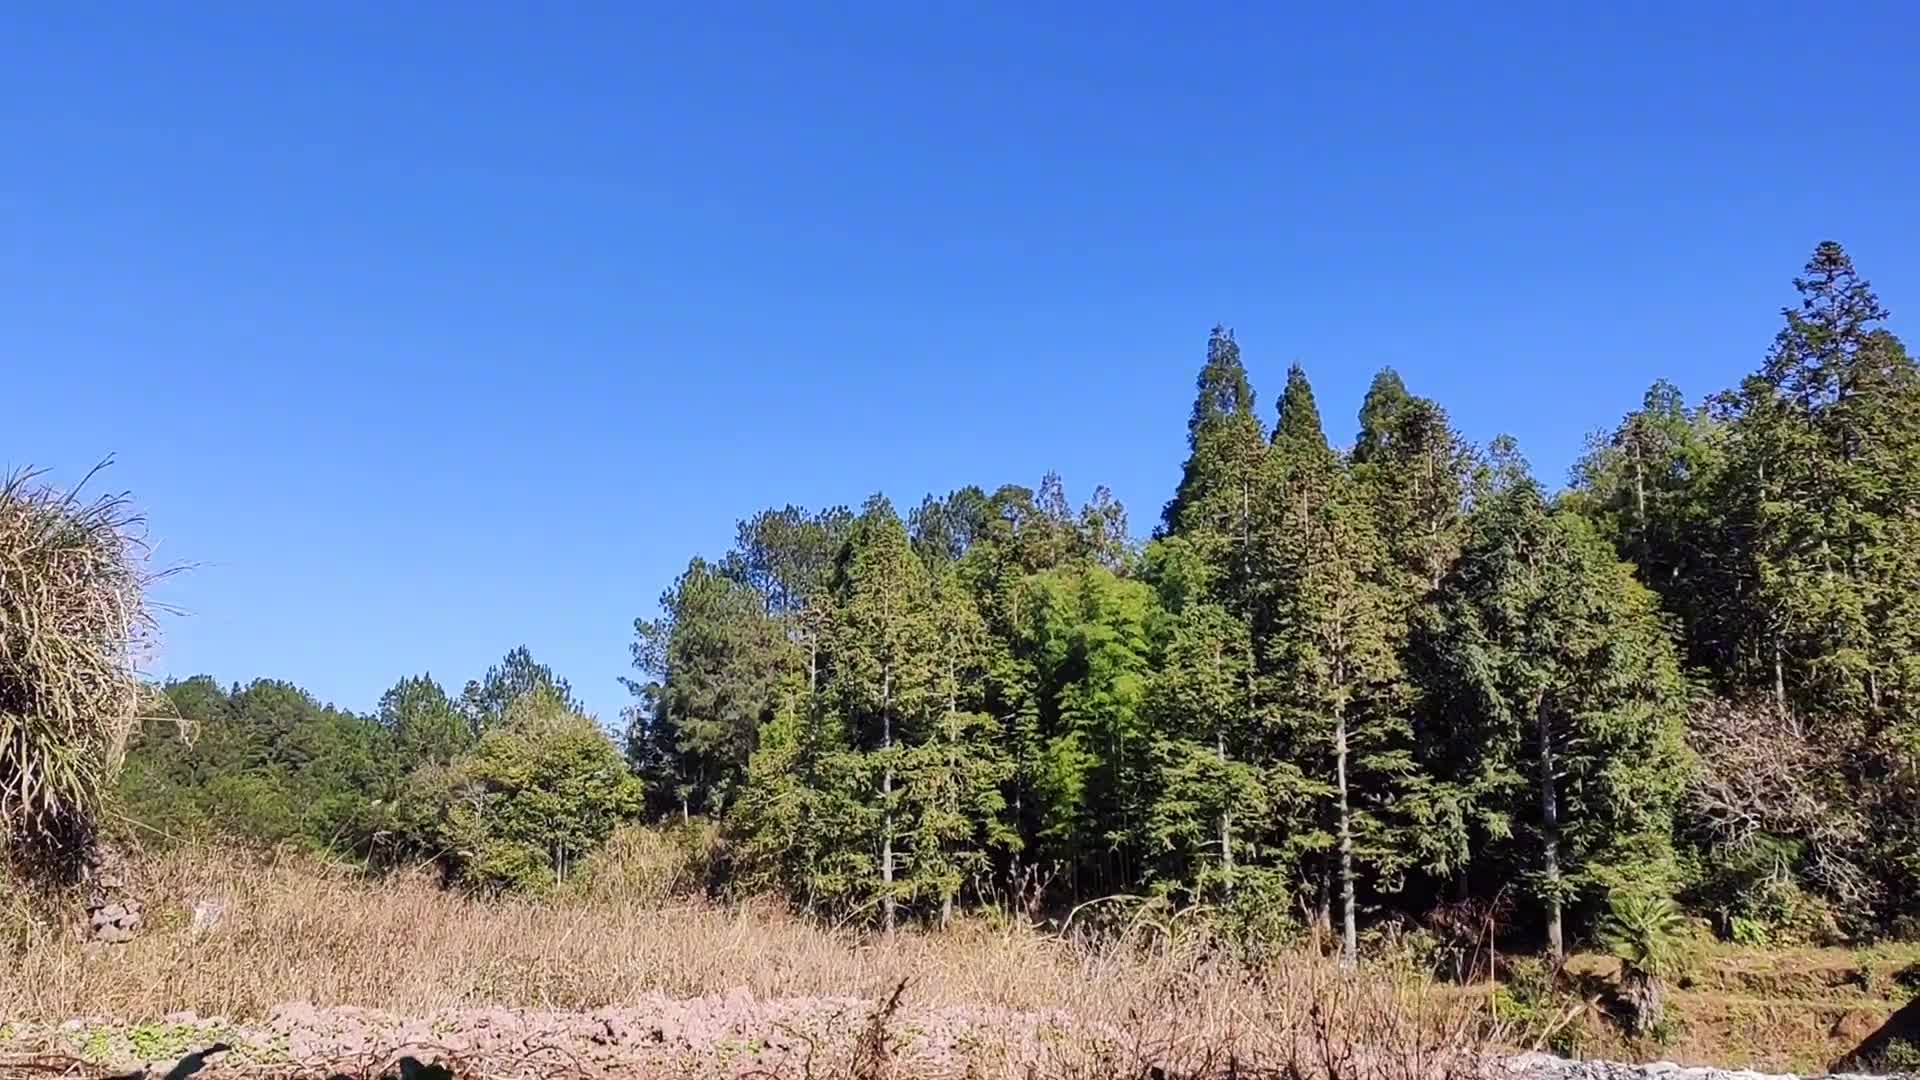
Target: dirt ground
[{"x": 731, "y": 1035}]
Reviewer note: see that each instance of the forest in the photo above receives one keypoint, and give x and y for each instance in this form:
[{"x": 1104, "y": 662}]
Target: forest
[{"x": 1344, "y": 682}]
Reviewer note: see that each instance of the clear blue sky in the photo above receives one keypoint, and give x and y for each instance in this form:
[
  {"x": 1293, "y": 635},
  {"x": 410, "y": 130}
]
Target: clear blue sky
[{"x": 429, "y": 330}]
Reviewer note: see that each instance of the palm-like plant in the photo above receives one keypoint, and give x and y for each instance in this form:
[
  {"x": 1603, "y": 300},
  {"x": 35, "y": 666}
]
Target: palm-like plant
[{"x": 1649, "y": 934}]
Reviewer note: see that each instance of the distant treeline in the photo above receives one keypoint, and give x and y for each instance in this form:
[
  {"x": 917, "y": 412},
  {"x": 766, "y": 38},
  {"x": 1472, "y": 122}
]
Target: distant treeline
[{"x": 1336, "y": 685}]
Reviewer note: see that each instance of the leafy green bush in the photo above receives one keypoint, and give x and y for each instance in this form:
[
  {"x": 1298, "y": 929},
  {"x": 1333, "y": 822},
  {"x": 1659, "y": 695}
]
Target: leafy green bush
[
  {"x": 1649, "y": 933},
  {"x": 540, "y": 793},
  {"x": 1651, "y": 936},
  {"x": 1258, "y": 920}
]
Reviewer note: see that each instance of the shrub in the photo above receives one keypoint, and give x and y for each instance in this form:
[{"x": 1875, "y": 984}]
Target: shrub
[
  {"x": 1650, "y": 935},
  {"x": 536, "y": 796}
]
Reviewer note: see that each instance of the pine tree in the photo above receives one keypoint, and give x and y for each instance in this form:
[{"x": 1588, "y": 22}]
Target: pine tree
[
  {"x": 485, "y": 701},
  {"x": 1331, "y": 649},
  {"x": 1649, "y": 487},
  {"x": 954, "y": 778},
  {"x": 885, "y": 644},
  {"x": 1556, "y": 707},
  {"x": 1822, "y": 444},
  {"x": 1224, "y": 444},
  {"x": 717, "y": 657},
  {"x": 1213, "y": 514},
  {"x": 1197, "y": 700},
  {"x": 1414, "y": 469},
  {"x": 427, "y": 729}
]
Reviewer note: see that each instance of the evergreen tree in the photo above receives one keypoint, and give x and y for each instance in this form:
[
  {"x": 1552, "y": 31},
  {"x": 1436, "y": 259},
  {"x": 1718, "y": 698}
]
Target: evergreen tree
[
  {"x": 426, "y": 727},
  {"x": 1556, "y": 707},
  {"x": 1213, "y": 515},
  {"x": 485, "y": 701},
  {"x": 884, "y": 647},
  {"x": 954, "y": 778},
  {"x": 1649, "y": 487},
  {"x": 1331, "y": 653},
  {"x": 1414, "y": 469},
  {"x": 717, "y": 656}
]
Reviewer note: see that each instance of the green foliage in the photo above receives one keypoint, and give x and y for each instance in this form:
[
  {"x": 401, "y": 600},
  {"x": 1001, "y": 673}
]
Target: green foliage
[
  {"x": 1532, "y": 1003},
  {"x": 1648, "y": 932},
  {"x": 1555, "y": 703},
  {"x": 716, "y": 655},
  {"x": 1334, "y": 685},
  {"x": 265, "y": 762},
  {"x": 541, "y": 792},
  {"x": 427, "y": 728},
  {"x": 486, "y": 700}
]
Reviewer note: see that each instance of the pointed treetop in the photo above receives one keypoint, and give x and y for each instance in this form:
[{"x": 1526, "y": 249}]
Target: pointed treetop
[
  {"x": 1225, "y": 439},
  {"x": 1224, "y": 390},
  {"x": 1385, "y": 399},
  {"x": 1299, "y": 423},
  {"x": 1838, "y": 311},
  {"x": 1831, "y": 285}
]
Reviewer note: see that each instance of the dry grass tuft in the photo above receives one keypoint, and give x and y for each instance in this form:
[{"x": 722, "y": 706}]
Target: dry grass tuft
[
  {"x": 235, "y": 936},
  {"x": 73, "y": 623}
]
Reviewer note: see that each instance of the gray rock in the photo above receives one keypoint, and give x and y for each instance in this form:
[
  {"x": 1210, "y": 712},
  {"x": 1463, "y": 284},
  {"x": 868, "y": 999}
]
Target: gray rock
[{"x": 1537, "y": 1066}]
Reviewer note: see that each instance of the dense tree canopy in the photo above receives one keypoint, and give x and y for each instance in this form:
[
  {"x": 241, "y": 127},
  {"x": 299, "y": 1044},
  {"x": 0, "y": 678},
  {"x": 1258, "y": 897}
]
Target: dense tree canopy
[{"x": 1335, "y": 686}]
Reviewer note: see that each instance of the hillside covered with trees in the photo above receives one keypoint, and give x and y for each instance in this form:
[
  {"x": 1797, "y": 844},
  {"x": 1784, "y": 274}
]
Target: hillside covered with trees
[{"x": 1358, "y": 672}]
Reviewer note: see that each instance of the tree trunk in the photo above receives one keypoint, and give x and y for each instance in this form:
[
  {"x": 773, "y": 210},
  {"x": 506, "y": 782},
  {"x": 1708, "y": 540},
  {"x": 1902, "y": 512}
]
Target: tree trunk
[
  {"x": 886, "y": 798},
  {"x": 1779, "y": 676},
  {"x": 1645, "y": 1000},
  {"x": 1550, "y": 835},
  {"x": 1349, "y": 935},
  {"x": 1226, "y": 820}
]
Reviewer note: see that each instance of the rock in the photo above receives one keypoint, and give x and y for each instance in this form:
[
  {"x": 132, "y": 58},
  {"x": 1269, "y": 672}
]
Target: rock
[{"x": 1538, "y": 1066}]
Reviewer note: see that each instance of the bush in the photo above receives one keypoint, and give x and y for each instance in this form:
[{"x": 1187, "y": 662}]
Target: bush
[
  {"x": 73, "y": 620},
  {"x": 1648, "y": 933},
  {"x": 539, "y": 794}
]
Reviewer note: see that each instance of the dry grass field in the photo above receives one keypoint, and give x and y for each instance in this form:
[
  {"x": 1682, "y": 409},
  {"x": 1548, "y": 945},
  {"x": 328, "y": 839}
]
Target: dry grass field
[{"x": 313, "y": 967}]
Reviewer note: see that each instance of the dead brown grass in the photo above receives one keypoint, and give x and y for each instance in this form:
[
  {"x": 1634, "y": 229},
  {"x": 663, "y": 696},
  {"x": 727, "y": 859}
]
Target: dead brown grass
[{"x": 293, "y": 929}]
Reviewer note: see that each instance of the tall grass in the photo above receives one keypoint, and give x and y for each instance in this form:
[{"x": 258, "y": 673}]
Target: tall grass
[
  {"x": 275, "y": 929},
  {"x": 73, "y": 620}
]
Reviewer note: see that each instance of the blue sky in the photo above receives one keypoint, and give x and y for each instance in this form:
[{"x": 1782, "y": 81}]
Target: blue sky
[{"x": 429, "y": 330}]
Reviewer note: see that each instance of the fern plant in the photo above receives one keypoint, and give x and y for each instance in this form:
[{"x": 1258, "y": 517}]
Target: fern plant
[{"x": 1650, "y": 935}]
